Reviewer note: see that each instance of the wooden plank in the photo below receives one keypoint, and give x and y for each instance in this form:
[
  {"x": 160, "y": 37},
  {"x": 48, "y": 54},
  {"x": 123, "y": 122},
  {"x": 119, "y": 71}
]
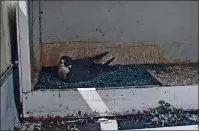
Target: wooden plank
[{"x": 136, "y": 53}]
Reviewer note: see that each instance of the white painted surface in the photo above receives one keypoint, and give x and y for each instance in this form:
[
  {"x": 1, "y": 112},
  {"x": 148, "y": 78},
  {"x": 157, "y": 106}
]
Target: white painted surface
[
  {"x": 108, "y": 125},
  {"x": 23, "y": 7},
  {"x": 9, "y": 116},
  {"x": 190, "y": 127},
  {"x": 24, "y": 48},
  {"x": 118, "y": 101},
  {"x": 94, "y": 101}
]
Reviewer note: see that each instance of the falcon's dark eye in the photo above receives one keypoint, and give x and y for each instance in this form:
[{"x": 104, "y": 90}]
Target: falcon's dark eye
[{"x": 67, "y": 63}]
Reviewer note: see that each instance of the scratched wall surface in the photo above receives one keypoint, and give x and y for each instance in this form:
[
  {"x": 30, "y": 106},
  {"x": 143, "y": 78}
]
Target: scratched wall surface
[
  {"x": 9, "y": 115},
  {"x": 6, "y": 13},
  {"x": 123, "y": 53},
  {"x": 172, "y": 25}
]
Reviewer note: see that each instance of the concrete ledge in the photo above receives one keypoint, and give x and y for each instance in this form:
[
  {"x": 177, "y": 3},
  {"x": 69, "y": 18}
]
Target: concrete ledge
[
  {"x": 190, "y": 127},
  {"x": 105, "y": 102}
]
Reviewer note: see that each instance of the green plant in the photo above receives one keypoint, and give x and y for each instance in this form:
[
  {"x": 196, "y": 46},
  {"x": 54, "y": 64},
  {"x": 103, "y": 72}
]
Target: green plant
[
  {"x": 161, "y": 102},
  {"x": 165, "y": 107}
]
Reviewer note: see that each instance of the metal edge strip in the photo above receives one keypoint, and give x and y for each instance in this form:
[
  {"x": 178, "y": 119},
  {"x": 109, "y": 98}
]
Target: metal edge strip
[{"x": 5, "y": 74}]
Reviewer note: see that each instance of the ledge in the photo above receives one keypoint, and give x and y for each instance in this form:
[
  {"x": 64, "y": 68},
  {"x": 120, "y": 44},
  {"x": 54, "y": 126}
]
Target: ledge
[{"x": 91, "y": 102}]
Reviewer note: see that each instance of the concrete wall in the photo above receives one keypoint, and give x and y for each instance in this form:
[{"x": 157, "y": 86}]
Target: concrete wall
[
  {"x": 171, "y": 24},
  {"x": 165, "y": 22},
  {"x": 9, "y": 114}
]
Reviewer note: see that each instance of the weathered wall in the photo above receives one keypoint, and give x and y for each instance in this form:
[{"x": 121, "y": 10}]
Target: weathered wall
[
  {"x": 6, "y": 8},
  {"x": 172, "y": 25},
  {"x": 9, "y": 114}
]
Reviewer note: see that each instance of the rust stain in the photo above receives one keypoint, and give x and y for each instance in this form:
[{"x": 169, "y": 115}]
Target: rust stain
[{"x": 135, "y": 53}]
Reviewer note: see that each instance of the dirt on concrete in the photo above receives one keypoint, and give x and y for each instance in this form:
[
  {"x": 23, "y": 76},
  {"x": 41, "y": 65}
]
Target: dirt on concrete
[{"x": 177, "y": 75}]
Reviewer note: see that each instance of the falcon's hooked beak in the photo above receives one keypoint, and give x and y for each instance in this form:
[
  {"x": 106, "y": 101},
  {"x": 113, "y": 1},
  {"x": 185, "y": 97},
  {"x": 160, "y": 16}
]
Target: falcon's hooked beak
[{"x": 62, "y": 61}]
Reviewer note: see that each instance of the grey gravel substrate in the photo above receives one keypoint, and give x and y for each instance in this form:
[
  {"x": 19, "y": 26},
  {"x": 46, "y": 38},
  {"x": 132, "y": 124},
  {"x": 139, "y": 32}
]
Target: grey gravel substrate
[
  {"x": 121, "y": 75},
  {"x": 177, "y": 75},
  {"x": 125, "y": 75}
]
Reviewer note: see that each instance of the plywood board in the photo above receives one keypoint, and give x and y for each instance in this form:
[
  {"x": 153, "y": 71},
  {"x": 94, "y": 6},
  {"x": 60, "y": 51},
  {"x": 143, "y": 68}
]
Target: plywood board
[{"x": 138, "y": 53}]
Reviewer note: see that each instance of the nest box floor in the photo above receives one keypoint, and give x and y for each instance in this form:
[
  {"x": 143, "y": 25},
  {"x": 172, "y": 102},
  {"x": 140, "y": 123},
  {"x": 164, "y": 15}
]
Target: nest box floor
[
  {"x": 121, "y": 75},
  {"x": 125, "y": 75}
]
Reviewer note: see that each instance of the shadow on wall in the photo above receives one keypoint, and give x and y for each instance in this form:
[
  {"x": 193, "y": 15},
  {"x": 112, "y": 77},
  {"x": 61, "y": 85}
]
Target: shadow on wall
[{"x": 14, "y": 55}]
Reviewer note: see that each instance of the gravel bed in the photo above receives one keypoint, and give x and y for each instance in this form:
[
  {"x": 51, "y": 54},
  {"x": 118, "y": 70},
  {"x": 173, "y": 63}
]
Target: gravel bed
[
  {"x": 126, "y": 75},
  {"x": 120, "y": 75},
  {"x": 177, "y": 75}
]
